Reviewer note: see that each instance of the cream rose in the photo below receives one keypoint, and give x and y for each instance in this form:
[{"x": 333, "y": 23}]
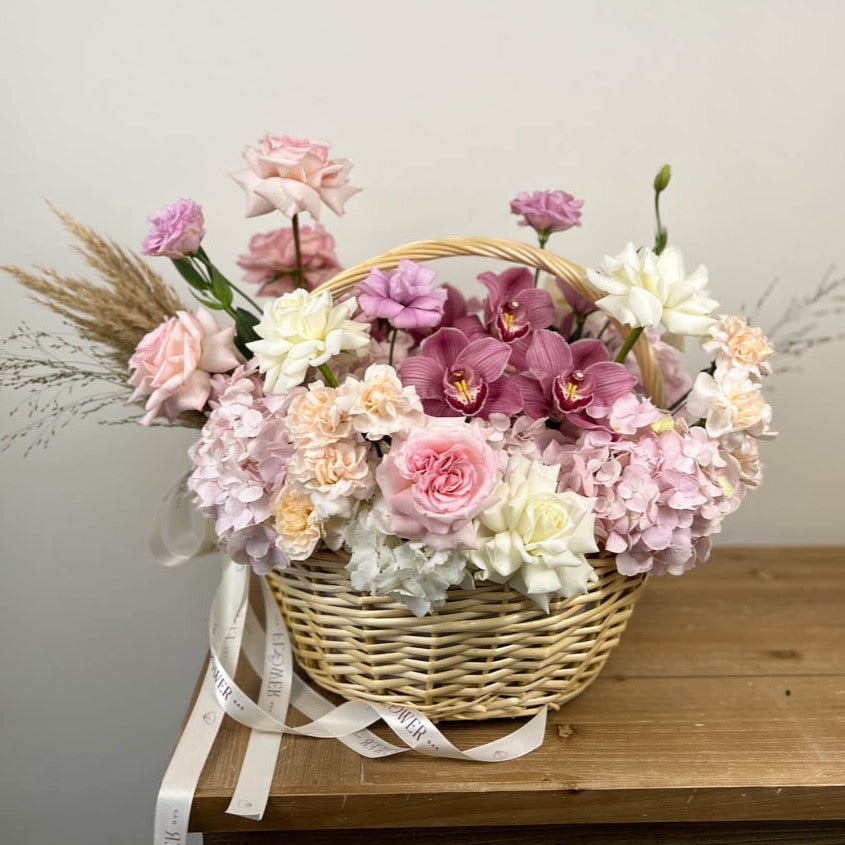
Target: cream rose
[
  {"x": 535, "y": 539},
  {"x": 301, "y": 330}
]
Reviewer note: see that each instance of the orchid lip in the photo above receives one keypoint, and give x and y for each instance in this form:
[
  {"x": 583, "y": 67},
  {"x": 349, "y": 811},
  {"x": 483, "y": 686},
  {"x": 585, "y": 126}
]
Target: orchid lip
[
  {"x": 569, "y": 393},
  {"x": 464, "y": 391},
  {"x": 510, "y": 323}
]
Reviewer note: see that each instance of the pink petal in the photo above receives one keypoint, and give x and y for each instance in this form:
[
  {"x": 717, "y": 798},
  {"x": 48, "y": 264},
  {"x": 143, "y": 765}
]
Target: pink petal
[
  {"x": 436, "y": 406},
  {"x": 218, "y": 351},
  {"x": 539, "y": 308},
  {"x": 587, "y": 352},
  {"x": 255, "y": 204},
  {"x": 609, "y": 381},
  {"x": 535, "y": 402},
  {"x": 548, "y": 355},
  {"x": 487, "y": 356},
  {"x": 504, "y": 397},
  {"x": 425, "y": 375},
  {"x": 444, "y": 346}
]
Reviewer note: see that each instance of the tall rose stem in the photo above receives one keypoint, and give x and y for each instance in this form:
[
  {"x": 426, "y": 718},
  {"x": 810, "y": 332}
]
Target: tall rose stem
[
  {"x": 633, "y": 337},
  {"x": 300, "y": 273}
]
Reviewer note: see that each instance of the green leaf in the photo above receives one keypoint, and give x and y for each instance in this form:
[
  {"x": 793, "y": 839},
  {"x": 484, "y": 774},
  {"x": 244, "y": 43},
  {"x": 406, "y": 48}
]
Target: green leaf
[
  {"x": 208, "y": 303},
  {"x": 220, "y": 287},
  {"x": 190, "y": 274}
]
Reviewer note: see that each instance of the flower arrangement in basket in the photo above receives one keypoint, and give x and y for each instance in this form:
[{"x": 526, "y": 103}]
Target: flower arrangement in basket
[{"x": 455, "y": 499}]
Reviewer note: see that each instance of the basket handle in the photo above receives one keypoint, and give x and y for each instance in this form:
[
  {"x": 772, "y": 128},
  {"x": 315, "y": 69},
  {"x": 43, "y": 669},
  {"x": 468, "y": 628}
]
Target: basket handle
[{"x": 512, "y": 251}]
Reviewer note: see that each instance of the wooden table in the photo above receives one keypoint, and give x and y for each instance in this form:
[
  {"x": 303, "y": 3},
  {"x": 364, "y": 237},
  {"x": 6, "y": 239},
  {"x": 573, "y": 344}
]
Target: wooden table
[{"x": 719, "y": 718}]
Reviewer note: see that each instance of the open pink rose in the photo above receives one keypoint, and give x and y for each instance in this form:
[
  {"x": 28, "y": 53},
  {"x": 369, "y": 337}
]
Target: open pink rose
[
  {"x": 172, "y": 364},
  {"x": 435, "y": 482},
  {"x": 293, "y": 175},
  {"x": 271, "y": 259}
]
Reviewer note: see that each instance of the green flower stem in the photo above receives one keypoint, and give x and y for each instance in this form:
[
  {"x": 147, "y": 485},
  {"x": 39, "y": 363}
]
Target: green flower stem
[
  {"x": 213, "y": 271},
  {"x": 300, "y": 272},
  {"x": 328, "y": 375},
  {"x": 542, "y": 239},
  {"x": 633, "y": 337}
]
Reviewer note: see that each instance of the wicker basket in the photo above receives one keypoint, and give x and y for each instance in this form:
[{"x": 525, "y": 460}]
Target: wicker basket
[{"x": 487, "y": 653}]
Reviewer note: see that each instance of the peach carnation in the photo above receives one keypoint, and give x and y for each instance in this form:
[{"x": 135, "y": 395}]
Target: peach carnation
[
  {"x": 736, "y": 344},
  {"x": 378, "y": 405},
  {"x": 314, "y": 418},
  {"x": 296, "y": 523}
]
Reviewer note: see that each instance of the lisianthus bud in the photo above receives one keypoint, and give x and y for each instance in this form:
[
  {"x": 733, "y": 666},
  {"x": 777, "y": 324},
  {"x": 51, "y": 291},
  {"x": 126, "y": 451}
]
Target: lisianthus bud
[{"x": 661, "y": 181}]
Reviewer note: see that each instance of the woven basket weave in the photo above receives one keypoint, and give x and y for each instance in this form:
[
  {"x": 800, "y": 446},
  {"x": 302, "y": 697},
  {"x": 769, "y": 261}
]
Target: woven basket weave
[{"x": 489, "y": 652}]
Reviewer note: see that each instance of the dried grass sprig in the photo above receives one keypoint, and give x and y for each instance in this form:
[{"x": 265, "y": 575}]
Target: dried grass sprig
[{"x": 129, "y": 300}]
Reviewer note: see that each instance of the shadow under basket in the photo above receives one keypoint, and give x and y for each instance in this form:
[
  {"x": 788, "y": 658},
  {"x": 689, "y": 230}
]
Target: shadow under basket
[{"x": 488, "y": 653}]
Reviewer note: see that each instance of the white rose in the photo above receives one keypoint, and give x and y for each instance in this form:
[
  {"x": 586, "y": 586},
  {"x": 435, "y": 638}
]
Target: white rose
[
  {"x": 644, "y": 289},
  {"x": 535, "y": 538},
  {"x": 301, "y": 330}
]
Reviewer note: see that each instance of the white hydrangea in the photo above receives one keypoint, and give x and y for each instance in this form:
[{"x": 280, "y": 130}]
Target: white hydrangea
[
  {"x": 535, "y": 539},
  {"x": 410, "y": 572},
  {"x": 645, "y": 289}
]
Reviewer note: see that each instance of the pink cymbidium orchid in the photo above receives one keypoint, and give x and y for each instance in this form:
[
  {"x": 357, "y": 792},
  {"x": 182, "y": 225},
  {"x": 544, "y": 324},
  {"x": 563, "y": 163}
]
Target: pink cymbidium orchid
[
  {"x": 575, "y": 381},
  {"x": 514, "y": 307},
  {"x": 455, "y": 376}
]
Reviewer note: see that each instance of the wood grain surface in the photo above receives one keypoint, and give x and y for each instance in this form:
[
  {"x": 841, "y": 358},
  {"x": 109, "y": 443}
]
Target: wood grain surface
[{"x": 725, "y": 702}]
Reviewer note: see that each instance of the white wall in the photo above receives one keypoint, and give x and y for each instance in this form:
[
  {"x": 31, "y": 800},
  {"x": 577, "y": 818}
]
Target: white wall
[{"x": 447, "y": 110}]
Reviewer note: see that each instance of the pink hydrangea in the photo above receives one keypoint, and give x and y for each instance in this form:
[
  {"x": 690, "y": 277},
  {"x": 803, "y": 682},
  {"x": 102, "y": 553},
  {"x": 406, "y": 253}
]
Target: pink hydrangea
[
  {"x": 271, "y": 260},
  {"x": 659, "y": 497},
  {"x": 239, "y": 462},
  {"x": 177, "y": 230},
  {"x": 406, "y": 297},
  {"x": 547, "y": 211}
]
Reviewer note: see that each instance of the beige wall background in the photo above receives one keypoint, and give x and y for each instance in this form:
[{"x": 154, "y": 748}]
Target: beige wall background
[{"x": 447, "y": 110}]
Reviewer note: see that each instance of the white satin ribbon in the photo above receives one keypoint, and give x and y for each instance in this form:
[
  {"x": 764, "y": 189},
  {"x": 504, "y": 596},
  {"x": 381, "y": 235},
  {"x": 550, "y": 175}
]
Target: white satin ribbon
[{"x": 234, "y": 629}]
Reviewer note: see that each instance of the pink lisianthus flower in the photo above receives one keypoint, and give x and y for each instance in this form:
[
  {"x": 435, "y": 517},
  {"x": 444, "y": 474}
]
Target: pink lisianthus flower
[
  {"x": 176, "y": 231},
  {"x": 574, "y": 382},
  {"x": 271, "y": 260},
  {"x": 547, "y": 211},
  {"x": 514, "y": 307},
  {"x": 293, "y": 175},
  {"x": 457, "y": 377},
  {"x": 405, "y": 297},
  {"x": 435, "y": 481},
  {"x": 173, "y": 362}
]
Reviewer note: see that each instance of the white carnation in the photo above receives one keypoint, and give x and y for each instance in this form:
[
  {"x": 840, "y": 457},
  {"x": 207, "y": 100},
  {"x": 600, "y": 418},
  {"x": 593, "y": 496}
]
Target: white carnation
[{"x": 410, "y": 572}]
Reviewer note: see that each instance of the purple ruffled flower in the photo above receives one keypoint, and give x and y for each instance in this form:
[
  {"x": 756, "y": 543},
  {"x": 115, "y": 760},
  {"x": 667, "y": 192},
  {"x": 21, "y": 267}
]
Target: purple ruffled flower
[
  {"x": 176, "y": 230},
  {"x": 405, "y": 297},
  {"x": 548, "y": 211}
]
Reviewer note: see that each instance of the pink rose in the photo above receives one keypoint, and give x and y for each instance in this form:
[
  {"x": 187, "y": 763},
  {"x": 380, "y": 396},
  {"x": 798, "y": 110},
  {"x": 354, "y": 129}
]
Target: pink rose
[
  {"x": 548, "y": 211},
  {"x": 176, "y": 231},
  {"x": 271, "y": 260},
  {"x": 293, "y": 175},
  {"x": 173, "y": 362},
  {"x": 435, "y": 482}
]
